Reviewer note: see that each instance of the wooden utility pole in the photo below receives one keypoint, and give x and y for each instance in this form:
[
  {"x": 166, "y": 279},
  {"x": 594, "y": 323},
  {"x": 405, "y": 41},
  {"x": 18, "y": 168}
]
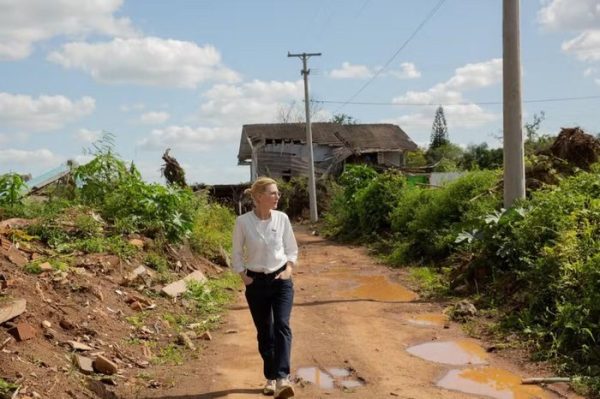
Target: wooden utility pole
[
  {"x": 514, "y": 163},
  {"x": 312, "y": 191}
]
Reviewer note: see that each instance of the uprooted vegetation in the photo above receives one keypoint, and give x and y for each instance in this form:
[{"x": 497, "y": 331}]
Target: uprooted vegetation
[
  {"x": 97, "y": 267},
  {"x": 537, "y": 264}
]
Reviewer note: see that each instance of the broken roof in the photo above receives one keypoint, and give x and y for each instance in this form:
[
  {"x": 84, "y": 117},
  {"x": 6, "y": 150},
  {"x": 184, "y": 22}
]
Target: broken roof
[{"x": 360, "y": 137}]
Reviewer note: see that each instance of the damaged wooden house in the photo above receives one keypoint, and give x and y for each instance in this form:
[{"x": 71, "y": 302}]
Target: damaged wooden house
[{"x": 279, "y": 150}]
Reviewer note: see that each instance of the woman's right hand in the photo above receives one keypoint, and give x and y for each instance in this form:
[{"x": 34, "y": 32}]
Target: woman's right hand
[{"x": 246, "y": 279}]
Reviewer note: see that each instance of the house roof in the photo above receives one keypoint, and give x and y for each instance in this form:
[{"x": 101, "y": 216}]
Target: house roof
[{"x": 361, "y": 138}]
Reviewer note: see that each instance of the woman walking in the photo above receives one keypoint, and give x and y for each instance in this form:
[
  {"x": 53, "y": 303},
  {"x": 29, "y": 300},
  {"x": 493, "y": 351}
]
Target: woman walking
[{"x": 264, "y": 254}]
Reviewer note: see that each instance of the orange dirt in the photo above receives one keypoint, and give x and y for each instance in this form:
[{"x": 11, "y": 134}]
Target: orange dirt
[{"x": 353, "y": 322}]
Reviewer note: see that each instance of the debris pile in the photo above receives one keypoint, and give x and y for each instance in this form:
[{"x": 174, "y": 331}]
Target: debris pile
[{"x": 100, "y": 323}]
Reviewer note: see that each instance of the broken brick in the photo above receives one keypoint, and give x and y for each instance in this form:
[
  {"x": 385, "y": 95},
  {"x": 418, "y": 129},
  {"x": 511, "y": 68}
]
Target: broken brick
[
  {"x": 12, "y": 309},
  {"x": 206, "y": 335},
  {"x": 104, "y": 366},
  {"x": 46, "y": 267},
  {"x": 179, "y": 287},
  {"x": 78, "y": 346},
  {"x": 84, "y": 364},
  {"x": 16, "y": 257},
  {"x": 23, "y": 332}
]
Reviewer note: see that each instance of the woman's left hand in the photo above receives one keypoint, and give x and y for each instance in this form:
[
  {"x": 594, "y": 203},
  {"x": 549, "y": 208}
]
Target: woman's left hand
[{"x": 286, "y": 274}]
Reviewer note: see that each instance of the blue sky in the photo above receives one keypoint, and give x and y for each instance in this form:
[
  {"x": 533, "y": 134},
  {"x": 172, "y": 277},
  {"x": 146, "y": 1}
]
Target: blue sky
[{"x": 188, "y": 74}]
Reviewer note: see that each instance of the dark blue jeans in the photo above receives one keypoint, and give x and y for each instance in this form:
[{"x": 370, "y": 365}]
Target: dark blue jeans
[{"x": 270, "y": 302}]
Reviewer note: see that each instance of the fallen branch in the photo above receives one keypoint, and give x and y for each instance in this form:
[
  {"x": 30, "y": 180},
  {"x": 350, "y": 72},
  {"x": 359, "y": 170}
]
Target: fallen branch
[{"x": 543, "y": 380}]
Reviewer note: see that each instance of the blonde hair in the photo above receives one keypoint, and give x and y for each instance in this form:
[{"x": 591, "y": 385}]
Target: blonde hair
[{"x": 259, "y": 186}]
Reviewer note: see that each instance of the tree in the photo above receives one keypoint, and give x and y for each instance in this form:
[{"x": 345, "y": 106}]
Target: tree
[
  {"x": 439, "y": 130},
  {"x": 447, "y": 157},
  {"x": 343, "y": 119},
  {"x": 294, "y": 112},
  {"x": 481, "y": 157}
]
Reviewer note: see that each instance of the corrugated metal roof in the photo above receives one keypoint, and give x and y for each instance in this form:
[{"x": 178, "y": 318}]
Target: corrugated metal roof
[{"x": 362, "y": 137}]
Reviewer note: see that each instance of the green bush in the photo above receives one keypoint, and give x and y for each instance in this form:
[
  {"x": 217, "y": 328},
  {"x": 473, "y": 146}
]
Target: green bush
[
  {"x": 375, "y": 201},
  {"x": 212, "y": 230},
  {"x": 544, "y": 259},
  {"x": 11, "y": 190},
  {"x": 342, "y": 220},
  {"x": 431, "y": 219}
]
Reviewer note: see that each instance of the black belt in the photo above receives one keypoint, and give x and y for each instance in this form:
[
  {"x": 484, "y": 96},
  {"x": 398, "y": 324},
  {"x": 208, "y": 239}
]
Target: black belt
[{"x": 260, "y": 275}]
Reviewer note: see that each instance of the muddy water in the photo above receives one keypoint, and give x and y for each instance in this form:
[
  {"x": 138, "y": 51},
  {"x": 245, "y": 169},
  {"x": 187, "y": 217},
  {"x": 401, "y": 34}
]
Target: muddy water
[
  {"x": 429, "y": 320},
  {"x": 315, "y": 376},
  {"x": 491, "y": 382},
  {"x": 378, "y": 288},
  {"x": 333, "y": 377},
  {"x": 459, "y": 352}
]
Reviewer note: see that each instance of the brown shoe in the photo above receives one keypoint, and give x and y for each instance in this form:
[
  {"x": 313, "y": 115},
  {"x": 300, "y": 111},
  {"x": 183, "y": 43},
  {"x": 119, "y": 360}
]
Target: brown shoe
[{"x": 284, "y": 389}]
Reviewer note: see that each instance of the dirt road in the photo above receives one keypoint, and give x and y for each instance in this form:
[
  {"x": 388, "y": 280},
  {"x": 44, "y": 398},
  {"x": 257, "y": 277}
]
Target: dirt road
[{"x": 357, "y": 333}]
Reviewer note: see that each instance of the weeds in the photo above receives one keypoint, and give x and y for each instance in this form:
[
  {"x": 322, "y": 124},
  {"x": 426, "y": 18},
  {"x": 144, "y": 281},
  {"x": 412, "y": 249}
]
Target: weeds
[{"x": 171, "y": 354}]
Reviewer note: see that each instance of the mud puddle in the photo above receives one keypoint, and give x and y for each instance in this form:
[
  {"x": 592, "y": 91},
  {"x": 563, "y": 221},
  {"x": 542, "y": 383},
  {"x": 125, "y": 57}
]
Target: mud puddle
[
  {"x": 329, "y": 378},
  {"x": 459, "y": 352},
  {"x": 377, "y": 288},
  {"x": 490, "y": 382},
  {"x": 429, "y": 320}
]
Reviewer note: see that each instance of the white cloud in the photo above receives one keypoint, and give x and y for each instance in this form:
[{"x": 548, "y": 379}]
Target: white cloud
[
  {"x": 349, "y": 71},
  {"x": 26, "y": 22},
  {"x": 460, "y": 114},
  {"x": 251, "y": 102},
  {"x": 589, "y": 72},
  {"x": 597, "y": 81},
  {"x": 154, "y": 118},
  {"x": 187, "y": 138},
  {"x": 407, "y": 70},
  {"x": 468, "y": 77},
  {"x": 570, "y": 14},
  {"x": 149, "y": 61},
  {"x": 586, "y": 46},
  {"x": 88, "y": 136},
  {"x": 225, "y": 109},
  {"x": 26, "y": 160},
  {"x": 43, "y": 113},
  {"x": 580, "y": 16}
]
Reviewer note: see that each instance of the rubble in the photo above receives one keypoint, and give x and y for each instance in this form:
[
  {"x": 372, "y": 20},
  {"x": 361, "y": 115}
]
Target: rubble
[
  {"x": 78, "y": 346},
  {"x": 103, "y": 365},
  {"x": 10, "y": 310},
  {"x": 93, "y": 313},
  {"x": 179, "y": 287},
  {"x": 23, "y": 332},
  {"x": 84, "y": 364}
]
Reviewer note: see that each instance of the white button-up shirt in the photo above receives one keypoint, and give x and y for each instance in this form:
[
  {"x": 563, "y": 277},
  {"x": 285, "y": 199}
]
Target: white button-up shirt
[{"x": 263, "y": 245}]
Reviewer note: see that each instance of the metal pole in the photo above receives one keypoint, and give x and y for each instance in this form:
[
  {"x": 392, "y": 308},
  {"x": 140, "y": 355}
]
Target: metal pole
[
  {"x": 514, "y": 163},
  {"x": 312, "y": 191}
]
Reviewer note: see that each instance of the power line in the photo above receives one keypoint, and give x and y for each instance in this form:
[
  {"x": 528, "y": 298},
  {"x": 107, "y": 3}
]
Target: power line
[
  {"x": 389, "y": 61},
  {"x": 399, "y": 104}
]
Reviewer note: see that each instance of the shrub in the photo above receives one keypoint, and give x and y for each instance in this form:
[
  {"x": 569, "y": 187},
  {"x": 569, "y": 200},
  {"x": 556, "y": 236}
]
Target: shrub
[
  {"x": 545, "y": 262},
  {"x": 212, "y": 229}
]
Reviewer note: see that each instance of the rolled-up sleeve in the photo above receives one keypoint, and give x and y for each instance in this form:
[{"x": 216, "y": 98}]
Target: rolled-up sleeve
[
  {"x": 237, "y": 259},
  {"x": 289, "y": 242}
]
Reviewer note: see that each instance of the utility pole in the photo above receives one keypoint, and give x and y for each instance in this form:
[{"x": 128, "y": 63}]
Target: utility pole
[
  {"x": 514, "y": 163},
  {"x": 312, "y": 191}
]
